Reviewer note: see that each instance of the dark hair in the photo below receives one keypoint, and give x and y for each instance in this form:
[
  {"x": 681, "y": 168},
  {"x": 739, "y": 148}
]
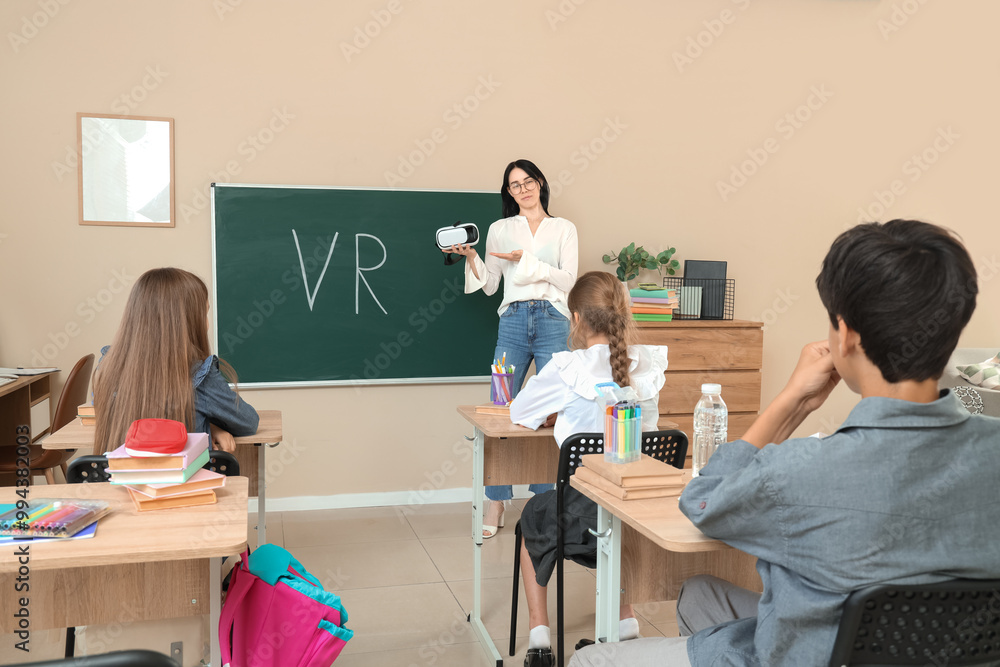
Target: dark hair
[
  {"x": 907, "y": 287},
  {"x": 509, "y": 207}
]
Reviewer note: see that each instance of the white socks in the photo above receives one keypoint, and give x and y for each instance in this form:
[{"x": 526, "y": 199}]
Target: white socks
[
  {"x": 628, "y": 628},
  {"x": 539, "y": 637}
]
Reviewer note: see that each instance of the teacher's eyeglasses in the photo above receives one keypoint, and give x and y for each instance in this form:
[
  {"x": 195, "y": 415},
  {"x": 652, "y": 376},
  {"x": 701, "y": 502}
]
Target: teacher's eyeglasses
[{"x": 528, "y": 185}]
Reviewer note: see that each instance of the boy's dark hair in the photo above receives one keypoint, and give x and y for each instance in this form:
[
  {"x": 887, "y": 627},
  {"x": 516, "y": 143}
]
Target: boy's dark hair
[{"x": 907, "y": 287}]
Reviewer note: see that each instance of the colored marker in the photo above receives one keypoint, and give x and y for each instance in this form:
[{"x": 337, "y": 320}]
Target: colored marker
[
  {"x": 53, "y": 519},
  {"x": 41, "y": 512},
  {"x": 67, "y": 521}
]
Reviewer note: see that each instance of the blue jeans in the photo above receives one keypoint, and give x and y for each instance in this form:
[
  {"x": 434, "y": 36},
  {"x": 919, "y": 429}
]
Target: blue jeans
[{"x": 528, "y": 330}]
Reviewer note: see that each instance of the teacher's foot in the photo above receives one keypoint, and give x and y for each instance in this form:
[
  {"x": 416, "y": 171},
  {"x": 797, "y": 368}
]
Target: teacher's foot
[{"x": 493, "y": 521}]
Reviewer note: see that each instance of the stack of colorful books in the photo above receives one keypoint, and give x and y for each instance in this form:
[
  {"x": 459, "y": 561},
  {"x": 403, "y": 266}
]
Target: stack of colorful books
[
  {"x": 653, "y": 305},
  {"x": 86, "y": 414},
  {"x": 167, "y": 480}
]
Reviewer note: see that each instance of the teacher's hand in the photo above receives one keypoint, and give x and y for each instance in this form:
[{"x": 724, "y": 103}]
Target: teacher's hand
[
  {"x": 465, "y": 250},
  {"x": 513, "y": 256}
]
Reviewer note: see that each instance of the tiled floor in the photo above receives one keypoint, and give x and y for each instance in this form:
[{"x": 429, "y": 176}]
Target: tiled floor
[{"x": 405, "y": 579}]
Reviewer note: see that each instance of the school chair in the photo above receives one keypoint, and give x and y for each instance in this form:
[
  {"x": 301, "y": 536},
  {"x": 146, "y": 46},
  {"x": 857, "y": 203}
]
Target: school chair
[
  {"x": 950, "y": 623},
  {"x": 134, "y": 658},
  {"x": 94, "y": 467},
  {"x": 74, "y": 394},
  {"x": 667, "y": 446}
]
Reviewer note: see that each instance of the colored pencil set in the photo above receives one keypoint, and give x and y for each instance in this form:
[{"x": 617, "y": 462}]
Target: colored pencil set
[
  {"x": 500, "y": 390},
  {"x": 48, "y": 517}
]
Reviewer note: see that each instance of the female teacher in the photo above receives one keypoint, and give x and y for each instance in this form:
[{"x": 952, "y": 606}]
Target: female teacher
[{"x": 537, "y": 255}]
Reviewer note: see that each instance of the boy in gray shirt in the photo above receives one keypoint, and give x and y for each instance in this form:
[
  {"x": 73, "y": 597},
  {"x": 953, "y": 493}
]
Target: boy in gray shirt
[{"x": 903, "y": 492}]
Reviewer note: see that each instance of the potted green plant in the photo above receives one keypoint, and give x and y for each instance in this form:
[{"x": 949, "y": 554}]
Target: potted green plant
[{"x": 632, "y": 259}]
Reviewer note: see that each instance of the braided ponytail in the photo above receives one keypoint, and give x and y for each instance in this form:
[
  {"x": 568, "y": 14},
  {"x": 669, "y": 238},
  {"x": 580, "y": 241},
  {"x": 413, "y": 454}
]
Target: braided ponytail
[{"x": 603, "y": 306}]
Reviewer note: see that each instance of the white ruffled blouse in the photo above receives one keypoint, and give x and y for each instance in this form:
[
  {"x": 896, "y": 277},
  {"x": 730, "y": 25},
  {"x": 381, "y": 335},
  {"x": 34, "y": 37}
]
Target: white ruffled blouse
[{"x": 566, "y": 386}]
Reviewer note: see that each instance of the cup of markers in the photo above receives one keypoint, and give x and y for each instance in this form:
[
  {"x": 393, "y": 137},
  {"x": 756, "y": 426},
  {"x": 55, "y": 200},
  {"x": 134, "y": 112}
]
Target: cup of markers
[
  {"x": 622, "y": 432},
  {"x": 622, "y": 422},
  {"x": 502, "y": 381}
]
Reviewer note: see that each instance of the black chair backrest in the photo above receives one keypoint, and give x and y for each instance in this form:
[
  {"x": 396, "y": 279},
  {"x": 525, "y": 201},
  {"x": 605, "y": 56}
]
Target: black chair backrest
[
  {"x": 950, "y": 623},
  {"x": 223, "y": 463},
  {"x": 94, "y": 467},
  {"x": 89, "y": 468},
  {"x": 134, "y": 658}
]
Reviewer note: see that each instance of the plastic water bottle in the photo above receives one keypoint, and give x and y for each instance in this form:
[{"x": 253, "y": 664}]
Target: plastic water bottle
[{"x": 711, "y": 421}]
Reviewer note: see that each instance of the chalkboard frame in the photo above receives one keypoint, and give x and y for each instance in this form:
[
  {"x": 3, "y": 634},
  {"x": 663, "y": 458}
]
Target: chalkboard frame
[{"x": 359, "y": 382}]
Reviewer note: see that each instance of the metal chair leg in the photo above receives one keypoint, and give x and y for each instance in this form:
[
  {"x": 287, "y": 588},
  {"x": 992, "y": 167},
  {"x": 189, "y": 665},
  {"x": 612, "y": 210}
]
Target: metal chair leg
[
  {"x": 70, "y": 642},
  {"x": 560, "y": 556},
  {"x": 517, "y": 580}
]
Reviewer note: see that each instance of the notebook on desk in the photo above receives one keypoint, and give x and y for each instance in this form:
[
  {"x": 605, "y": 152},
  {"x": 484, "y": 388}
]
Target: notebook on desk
[{"x": 26, "y": 371}]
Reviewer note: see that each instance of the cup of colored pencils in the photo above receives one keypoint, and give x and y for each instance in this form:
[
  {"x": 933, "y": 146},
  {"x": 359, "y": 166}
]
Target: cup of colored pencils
[{"x": 502, "y": 381}]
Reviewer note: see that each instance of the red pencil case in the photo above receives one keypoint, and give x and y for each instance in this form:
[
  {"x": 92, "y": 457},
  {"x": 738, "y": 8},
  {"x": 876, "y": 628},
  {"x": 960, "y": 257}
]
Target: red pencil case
[{"x": 155, "y": 437}]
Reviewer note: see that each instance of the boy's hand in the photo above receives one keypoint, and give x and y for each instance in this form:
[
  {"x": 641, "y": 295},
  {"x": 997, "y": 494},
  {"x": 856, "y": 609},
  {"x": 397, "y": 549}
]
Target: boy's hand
[
  {"x": 814, "y": 376},
  {"x": 809, "y": 386}
]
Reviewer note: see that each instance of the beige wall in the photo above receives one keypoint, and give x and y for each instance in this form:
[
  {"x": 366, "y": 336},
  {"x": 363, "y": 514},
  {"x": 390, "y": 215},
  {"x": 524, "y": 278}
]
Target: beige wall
[{"x": 894, "y": 77}]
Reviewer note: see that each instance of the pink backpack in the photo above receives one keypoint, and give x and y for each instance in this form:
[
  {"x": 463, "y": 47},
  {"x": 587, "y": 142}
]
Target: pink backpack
[{"x": 276, "y": 614}]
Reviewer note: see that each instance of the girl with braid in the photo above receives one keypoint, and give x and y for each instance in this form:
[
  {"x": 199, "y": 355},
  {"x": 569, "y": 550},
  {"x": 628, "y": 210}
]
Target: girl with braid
[{"x": 601, "y": 335}]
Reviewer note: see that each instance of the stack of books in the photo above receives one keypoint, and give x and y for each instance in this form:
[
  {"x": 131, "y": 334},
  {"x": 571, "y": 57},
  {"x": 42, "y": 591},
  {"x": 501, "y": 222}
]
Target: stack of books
[
  {"x": 170, "y": 480},
  {"x": 86, "y": 414},
  {"x": 645, "y": 478},
  {"x": 653, "y": 305}
]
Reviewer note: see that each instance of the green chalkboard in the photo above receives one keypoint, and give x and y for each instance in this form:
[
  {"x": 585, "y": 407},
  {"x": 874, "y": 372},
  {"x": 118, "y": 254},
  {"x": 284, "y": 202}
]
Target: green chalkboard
[{"x": 324, "y": 285}]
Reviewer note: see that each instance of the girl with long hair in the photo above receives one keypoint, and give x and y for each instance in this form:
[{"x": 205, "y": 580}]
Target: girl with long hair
[
  {"x": 602, "y": 335},
  {"x": 537, "y": 256},
  {"x": 159, "y": 366}
]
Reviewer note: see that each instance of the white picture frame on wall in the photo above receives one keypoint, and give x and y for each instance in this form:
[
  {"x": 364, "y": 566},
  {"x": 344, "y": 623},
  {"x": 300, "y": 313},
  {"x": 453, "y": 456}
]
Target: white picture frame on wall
[{"x": 126, "y": 170}]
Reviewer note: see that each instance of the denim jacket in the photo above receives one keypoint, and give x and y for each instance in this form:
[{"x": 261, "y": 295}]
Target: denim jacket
[
  {"x": 216, "y": 403},
  {"x": 214, "y": 400},
  {"x": 902, "y": 492}
]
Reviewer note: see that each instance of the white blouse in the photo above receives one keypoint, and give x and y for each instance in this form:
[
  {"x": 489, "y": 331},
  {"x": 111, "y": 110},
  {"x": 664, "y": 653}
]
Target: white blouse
[
  {"x": 566, "y": 386},
  {"x": 548, "y": 266}
]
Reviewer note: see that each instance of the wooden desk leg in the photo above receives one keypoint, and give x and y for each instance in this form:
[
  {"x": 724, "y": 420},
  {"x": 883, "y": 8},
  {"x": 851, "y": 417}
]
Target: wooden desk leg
[
  {"x": 215, "y": 609},
  {"x": 609, "y": 559},
  {"x": 478, "y": 501}
]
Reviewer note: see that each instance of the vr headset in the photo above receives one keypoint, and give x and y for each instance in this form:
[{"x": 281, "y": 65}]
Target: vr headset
[{"x": 458, "y": 234}]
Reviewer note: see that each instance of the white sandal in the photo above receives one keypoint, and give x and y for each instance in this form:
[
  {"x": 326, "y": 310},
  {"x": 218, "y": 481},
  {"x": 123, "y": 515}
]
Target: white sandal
[{"x": 490, "y": 530}]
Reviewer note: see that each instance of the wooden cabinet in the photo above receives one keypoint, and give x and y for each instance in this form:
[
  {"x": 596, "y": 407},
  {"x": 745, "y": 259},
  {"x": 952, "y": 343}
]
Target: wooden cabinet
[
  {"x": 25, "y": 402},
  {"x": 729, "y": 352}
]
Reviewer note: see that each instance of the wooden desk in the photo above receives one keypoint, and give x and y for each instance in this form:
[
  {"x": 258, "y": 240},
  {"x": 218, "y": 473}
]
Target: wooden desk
[
  {"x": 647, "y": 549},
  {"x": 251, "y": 453},
  {"x": 139, "y": 566},
  {"x": 25, "y": 402},
  {"x": 505, "y": 453}
]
